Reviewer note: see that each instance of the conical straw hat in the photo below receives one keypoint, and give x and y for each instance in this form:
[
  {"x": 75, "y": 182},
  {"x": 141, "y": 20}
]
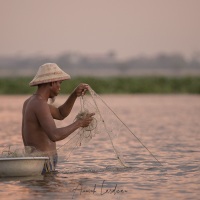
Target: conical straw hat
[{"x": 47, "y": 73}]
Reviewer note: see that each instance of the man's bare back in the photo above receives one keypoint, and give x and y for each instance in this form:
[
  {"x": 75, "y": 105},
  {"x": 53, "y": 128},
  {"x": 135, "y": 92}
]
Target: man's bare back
[{"x": 32, "y": 132}]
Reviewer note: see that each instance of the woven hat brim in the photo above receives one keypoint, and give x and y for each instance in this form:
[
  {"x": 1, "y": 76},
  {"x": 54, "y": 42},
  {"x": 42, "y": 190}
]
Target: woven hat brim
[
  {"x": 34, "y": 83},
  {"x": 49, "y": 72},
  {"x": 40, "y": 80}
]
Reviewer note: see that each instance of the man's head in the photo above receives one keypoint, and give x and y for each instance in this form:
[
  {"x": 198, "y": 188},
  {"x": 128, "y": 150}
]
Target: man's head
[{"x": 48, "y": 73}]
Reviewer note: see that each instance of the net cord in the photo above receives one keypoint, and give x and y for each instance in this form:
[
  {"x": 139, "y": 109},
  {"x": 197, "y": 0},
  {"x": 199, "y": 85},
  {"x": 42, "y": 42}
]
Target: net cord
[
  {"x": 118, "y": 157},
  {"x": 92, "y": 91}
]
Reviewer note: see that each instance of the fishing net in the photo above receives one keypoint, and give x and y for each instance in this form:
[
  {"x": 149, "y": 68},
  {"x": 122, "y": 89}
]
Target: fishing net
[
  {"x": 105, "y": 121},
  {"x": 12, "y": 151}
]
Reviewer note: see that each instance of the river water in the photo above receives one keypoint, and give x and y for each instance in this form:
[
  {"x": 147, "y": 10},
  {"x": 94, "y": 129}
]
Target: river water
[{"x": 168, "y": 125}]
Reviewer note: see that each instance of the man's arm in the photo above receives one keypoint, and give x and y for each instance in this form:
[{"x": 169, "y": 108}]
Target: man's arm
[
  {"x": 64, "y": 110},
  {"x": 47, "y": 123}
]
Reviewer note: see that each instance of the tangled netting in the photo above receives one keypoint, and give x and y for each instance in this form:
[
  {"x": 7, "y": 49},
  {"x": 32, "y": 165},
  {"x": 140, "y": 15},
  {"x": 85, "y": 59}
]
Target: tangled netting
[
  {"x": 103, "y": 122},
  {"x": 12, "y": 151}
]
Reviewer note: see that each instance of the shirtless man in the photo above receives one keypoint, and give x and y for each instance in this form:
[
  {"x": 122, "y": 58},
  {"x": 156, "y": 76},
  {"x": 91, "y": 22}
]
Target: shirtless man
[{"x": 38, "y": 126}]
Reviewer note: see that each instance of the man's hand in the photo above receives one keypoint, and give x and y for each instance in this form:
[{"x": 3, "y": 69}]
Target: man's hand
[
  {"x": 81, "y": 89},
  {"x": 86, "y": 120}
]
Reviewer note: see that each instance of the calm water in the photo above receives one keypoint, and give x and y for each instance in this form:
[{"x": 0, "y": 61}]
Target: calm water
[{"x": 169, "y": 125}]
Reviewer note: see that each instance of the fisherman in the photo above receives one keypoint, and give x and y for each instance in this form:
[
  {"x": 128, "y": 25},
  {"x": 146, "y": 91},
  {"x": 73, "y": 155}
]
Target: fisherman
[{"x": 38, "y": 127}]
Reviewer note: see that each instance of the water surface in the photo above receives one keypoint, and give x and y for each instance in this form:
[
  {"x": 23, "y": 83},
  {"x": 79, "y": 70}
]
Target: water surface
[{"x": 168, "y": 125}]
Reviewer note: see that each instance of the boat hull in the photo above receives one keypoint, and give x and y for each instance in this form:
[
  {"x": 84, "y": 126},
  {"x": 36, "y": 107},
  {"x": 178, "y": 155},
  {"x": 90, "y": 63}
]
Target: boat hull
[{"x": 22, "y": 166}]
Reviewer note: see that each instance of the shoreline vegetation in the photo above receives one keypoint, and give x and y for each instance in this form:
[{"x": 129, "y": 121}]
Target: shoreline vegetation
[{"x": 112, "y": 85}]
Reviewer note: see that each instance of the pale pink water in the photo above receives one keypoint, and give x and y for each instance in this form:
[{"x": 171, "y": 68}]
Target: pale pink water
[{"x": 168, "y": 125}]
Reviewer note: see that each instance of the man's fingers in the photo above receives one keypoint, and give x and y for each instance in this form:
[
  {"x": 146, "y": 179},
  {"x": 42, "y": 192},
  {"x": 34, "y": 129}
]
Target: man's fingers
[
  {"x": 90, "y": 114},
  {"x": 83, "y": 91}
]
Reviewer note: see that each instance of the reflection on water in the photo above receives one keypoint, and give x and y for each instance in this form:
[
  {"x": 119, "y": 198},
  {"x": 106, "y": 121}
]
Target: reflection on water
[
  {"x": 25, "y": 178},
  {"x": 167, "y": 124}
]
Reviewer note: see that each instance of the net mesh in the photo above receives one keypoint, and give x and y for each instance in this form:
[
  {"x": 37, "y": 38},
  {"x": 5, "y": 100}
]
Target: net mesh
[
  {"x": 104, "y": 122},
  {"x": 12, "y": 151}
]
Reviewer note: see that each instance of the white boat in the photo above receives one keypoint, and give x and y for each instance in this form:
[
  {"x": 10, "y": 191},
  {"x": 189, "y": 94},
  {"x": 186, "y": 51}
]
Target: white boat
[{"x": 22, "y": 166}]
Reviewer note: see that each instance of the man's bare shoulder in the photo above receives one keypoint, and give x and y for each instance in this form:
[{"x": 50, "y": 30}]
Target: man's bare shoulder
[{"x": 34, "y": 103}]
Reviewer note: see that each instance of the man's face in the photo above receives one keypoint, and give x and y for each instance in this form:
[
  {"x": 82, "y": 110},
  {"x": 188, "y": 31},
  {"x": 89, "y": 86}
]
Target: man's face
[{"x": 55, "y": 89}]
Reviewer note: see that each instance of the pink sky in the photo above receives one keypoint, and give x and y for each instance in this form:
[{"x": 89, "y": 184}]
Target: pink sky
[{"x": 129, "y": 27}]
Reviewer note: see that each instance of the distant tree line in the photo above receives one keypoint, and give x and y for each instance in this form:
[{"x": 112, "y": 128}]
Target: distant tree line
[{"x": 103, "y": 65}]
